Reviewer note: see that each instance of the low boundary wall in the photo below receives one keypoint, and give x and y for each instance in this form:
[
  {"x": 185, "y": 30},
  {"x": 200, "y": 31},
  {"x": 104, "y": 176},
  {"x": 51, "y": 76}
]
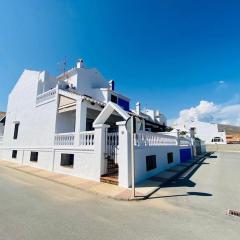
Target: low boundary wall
[{"x": 223, "y": 147}]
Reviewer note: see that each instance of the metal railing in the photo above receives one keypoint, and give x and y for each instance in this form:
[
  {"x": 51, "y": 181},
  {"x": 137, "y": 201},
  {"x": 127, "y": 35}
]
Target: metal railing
[{"x": 111, "y": 146}]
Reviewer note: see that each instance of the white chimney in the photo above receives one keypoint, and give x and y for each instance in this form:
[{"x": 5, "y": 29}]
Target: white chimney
[
  {"x": 111, "y": 84},
  {"x": 138, "y": 108},
  {"x": 80, "y": 63},
  {"x": 192, "y": 132}
]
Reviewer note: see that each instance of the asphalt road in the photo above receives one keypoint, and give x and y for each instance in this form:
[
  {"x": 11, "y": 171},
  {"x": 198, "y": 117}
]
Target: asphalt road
[{"x": 194, "y": 207}]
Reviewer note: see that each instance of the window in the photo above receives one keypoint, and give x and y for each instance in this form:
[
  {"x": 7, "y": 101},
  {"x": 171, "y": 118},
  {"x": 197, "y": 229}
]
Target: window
[
  {"x": 16, "y": 127},
  {"x": 34, "y": 157},
  {"x": 114, "y": 98},
  {"x": 217, "y": 139},
  {"x": 89, "y": 124},
  {"x": 170, "y": 157},
  {"x": 67, "y": 160},
  {"x": 14, "y": 153},
  {"x": 151, "y": 162}
]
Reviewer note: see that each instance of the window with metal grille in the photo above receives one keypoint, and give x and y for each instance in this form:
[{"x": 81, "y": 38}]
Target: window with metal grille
[
  {"x": 14, "y": 153},
  {"x": 67, "y": 160},
  {"x": 170, "y": 157},
  {"x": 16, "y": 127},
  {"x": 151, "y": 162},
  {"x": 34, "y": 157}
]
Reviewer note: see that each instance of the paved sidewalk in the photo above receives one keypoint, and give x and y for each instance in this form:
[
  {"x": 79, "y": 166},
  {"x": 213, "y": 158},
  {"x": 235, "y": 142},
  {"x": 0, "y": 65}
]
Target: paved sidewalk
[
  {"x": 143, "y": 189},
  {"x": 151, "y": 185}
]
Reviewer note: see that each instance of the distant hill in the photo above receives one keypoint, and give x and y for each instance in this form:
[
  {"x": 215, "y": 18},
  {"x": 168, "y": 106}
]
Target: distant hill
[
  {"x": 2, "y": 114},
  {"x": 229, "y": 129}
]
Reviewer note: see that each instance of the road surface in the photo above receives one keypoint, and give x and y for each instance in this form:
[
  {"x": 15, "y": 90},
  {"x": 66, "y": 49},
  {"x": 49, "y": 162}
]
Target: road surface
[{"x": 194, "y": 207}]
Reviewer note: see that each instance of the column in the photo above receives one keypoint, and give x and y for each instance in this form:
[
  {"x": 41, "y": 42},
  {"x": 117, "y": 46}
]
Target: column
[
  {"x": 80, "y": 122},
  {"x": 99, "y": 147},
  {"x": 178, "y": 137},
  {"x": 124, "y": 156}
]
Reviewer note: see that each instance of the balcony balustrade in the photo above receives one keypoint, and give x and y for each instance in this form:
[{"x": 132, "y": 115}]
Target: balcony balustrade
[
  {"x": 46, "y": 96},
  {"x": 82, "y": 140}
]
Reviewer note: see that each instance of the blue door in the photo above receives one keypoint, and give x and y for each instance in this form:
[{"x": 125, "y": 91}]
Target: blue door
[{"x": 185, "y": 155}]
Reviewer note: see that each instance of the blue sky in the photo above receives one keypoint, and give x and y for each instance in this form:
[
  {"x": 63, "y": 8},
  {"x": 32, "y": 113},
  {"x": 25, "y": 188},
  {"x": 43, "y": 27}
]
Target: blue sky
[{"x": 170, "y": 55}]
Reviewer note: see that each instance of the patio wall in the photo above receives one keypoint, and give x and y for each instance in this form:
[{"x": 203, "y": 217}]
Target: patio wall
[{"x": 222, "y": 147}]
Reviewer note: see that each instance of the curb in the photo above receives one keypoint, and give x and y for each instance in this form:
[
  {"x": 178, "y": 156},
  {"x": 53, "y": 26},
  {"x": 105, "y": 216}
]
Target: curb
[
  {"x": 64, "y": 184},
  {"x": 137, "y": 198}
]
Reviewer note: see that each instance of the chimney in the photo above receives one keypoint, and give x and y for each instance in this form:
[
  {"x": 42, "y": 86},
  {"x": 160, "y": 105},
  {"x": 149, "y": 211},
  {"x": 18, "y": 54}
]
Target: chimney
[
  {"x": 192, "y": 132},
  {"x": 111, "y": 84},
  {"x": 80, "y": 63},
  {"x": 138, "y": 108}
]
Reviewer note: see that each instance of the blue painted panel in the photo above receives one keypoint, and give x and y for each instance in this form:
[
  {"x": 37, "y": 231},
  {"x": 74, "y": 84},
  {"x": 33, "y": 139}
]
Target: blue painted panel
[
  {"x": 123, "y": 103},
  {"x": 185, "y": 155}
]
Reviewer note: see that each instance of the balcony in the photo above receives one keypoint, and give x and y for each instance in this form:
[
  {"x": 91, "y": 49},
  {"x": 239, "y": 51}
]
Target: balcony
[
  {"x": 46, "y": 96},
  {"x": 82, "y": 140},
  {"x": 64, "y": 139}
]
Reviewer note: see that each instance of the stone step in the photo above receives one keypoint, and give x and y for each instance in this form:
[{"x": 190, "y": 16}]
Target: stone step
[
  {"x": 109, "y": 179},
  {"x": 112, "y": 167}
]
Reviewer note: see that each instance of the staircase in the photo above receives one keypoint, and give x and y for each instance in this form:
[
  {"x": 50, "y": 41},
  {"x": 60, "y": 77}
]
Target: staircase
[{"x": 112, "y": 172}]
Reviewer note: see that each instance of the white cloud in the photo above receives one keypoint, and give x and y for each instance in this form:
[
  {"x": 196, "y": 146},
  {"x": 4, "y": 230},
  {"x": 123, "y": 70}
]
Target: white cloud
[{"x": 210, "y": 112}]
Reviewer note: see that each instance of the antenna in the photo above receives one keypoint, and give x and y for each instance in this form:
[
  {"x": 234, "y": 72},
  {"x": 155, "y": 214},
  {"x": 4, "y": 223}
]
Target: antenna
[{"x": 62, "y": 66}]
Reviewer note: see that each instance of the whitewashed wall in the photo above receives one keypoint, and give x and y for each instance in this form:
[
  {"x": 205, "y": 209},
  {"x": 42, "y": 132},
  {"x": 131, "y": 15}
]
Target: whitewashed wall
[
  {"x": 45, "y": 82},
  {"x": 88, "y": 80},
  {"x": 37, "y": 123},
  {"x": 45, "y": 158},
  {"x": 85, "y": 164},
  {"x": 66, "y": 122},
  {"x": 6, "y": 154},
  {"x": 161, "y": 158},
  {"x": 1, "y": 129},
  {"x": 207, "y": 131}
]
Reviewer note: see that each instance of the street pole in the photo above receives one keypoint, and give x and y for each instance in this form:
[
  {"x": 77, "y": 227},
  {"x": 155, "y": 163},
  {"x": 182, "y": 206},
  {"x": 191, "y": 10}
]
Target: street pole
[{"x": 132, "y": 158}]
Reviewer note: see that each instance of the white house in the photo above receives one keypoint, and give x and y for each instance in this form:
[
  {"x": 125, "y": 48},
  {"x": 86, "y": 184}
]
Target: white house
[
  {"x": 210, "y": 133},
  {"x": 75, "y": 124}
]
